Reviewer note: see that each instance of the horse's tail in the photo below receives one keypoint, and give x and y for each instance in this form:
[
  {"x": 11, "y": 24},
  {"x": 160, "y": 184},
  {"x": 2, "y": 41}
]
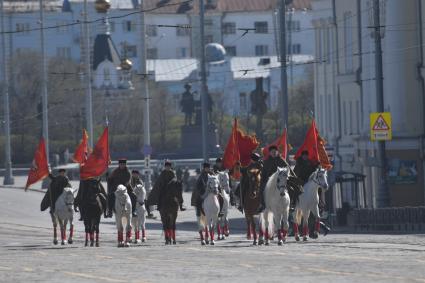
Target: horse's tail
[
  {"x": 298, "y": 216},
  {"x": 202, "y": 221}
]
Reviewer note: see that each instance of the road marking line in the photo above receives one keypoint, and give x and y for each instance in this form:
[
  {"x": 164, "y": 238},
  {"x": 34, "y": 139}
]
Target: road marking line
[
  {"x": 40, "y": 253},
  {"x": 104, "y": 256},
  {"x": 88, "y": 276},
  {"x": 28, "y": 269},
  {"x": 246, "y": 265},
  {"x": 5, "y": 268}
]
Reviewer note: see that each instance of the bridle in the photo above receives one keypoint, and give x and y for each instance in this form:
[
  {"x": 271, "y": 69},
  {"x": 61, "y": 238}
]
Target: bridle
[
  {"x": 316, "y": 177},
  {"x": 282, "y": 188},
  {"x": 254, "y": 184}
]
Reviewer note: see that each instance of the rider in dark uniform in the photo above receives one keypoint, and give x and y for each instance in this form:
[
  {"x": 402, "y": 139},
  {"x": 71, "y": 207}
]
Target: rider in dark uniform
[
  {"x": 55, "y": 189},
  {"x": 83, "y": 195},
  {"x": 218, "y": 166},
  {"x": 160, "y": 185},
  {"x": 199, "y": 190},
  {"x": 120, "y": 176},
  {"x": 270, "y": 167},
  {"x": 256, "y": 163}
]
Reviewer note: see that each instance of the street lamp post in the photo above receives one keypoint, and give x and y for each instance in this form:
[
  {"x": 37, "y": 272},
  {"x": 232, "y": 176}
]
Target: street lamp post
[
  {"x": 89, "y": 97},
  {"x": 203, "y": 82},
  {"x": 8, "y": 177},
  {"x": 283, "y": 72}
]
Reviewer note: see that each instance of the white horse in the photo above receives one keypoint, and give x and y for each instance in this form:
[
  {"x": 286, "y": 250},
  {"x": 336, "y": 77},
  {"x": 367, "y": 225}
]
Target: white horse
[
  {"x": 211, "y": 208},
  {"x": 123, "y": 212},
  {"x": 309, "y": 201},
  {"x": 64, "y": 213},
  {"x": 140, "y": 220},
  {"x": 223, "y": 224},
  {"x": 277, "y": 203}
]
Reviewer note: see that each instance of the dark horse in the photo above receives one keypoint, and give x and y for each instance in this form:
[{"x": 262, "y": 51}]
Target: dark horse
[
  {"x": 169, "y": 202},
  {"x": 91, "y": 199},
  {"x": 252, "y": 201}
]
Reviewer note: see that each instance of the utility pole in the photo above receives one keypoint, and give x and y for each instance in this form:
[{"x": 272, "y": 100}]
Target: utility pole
[
  {"x": 203, "y": 82},
  {"x": 44, "y": 84},
  {"x": 383, "y": 199},
  {"x": 89, "y": 97},
  {"x": 283, "y": 105},
  {"x": 8, "y": 176},
  {"x": 147, "y": 150}
]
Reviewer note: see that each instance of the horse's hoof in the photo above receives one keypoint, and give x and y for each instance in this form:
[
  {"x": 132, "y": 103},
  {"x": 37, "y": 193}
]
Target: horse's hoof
[
  {"x": 127, "y": 244},
  {"x": 91, "y": 244},
  {"x": 86, "y": 244},
  {"x": 207, "y": 242},
  {"x": 55, "y": 242},
  {"x": 261, "y": 242},
  {"x": 255, "y": 243},
  {"x": 203, "y": 243},
  {"x": 297, "y": 238},
  {"x": 305, "y": 239},
  {"x": 70, "y": 241},
  {"x": 212, "y": 243},
  {"x": 280, "y": 242},
  {"x": 267, "y": 243},
  {"x": 315, "y": 235},
  {"x": 174, "y": 242},
  {"x": 63, "y": 243},
  {"x": 97, "y": 244}
]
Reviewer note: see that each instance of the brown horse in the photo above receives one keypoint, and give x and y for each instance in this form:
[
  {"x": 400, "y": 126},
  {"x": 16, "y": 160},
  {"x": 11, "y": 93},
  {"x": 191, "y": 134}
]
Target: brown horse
[
  {"x": 170, "y": 200},
  {"x": 251, "y": 201}
]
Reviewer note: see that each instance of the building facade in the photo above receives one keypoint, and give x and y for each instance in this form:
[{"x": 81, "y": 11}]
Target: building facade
[{"x": 345, "y": 95}]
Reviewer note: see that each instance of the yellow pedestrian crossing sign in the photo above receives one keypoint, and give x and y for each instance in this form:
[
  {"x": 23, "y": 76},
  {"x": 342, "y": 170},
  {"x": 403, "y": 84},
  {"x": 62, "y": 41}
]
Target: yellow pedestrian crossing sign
[{"x": 380, "y": 126}]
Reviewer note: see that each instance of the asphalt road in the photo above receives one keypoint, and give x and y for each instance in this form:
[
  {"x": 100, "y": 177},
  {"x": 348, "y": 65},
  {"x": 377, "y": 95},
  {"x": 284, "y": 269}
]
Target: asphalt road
[{"x": 28, "y": 255}]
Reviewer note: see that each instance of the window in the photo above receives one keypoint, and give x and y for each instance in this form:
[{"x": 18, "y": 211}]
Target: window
[
  {"x": 293, "y": 25},
  {"x": 208, "y": 22},
  {"x": 348, "y": 42},
  {"x": 230, "y": 50},
  {"x": 62, "y": 27},
  {"x": 296, "y": 48},
  {"x": 152, "y": 53},
  {"x": 182, "y": 52},
  {"x": 112, "y": 26},
  {"x": 130, "y": 51},
  {"x": 63, "y": 52},
  {"x": 209, "y": 39},
  {"x": 229, "y": 28},
  {"x": 106, "y": 75},
  {"x": 23, "y": 28},
  {"x": 261, "y": 50},
  {"x": 261, "y": 27},
  {"x": 151, "y": 30},
  {"x": 128, "y": 26},
  {"x": 182, "y": 31}
]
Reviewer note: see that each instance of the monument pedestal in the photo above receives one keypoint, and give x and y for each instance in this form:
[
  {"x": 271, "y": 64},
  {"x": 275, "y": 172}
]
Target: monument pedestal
[{"x": 191, "y": 141}]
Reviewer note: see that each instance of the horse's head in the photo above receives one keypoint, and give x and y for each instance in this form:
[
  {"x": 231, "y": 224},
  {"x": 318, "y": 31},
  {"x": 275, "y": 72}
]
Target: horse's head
[
  {"x": 68, "y": 196},
  {"x": 140, "y": 192},
  {"x": 320, "y": 177},
  {"x": 282, "y": 179},
  {"x": 223, "y": 179},
  {"x": 212, "y": 184},
  {"x": 254, "y": 180}
]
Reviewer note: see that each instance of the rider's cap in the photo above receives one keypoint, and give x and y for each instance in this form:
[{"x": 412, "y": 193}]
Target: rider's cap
[
  {"x": 167, "y": 163},
  {"x": 272, "y": 147},
  {"x": 219, "y": 159},
  {"x": 122, "y": 161},
  {"x": 61, "y": 170},
  {"x": 206, "y": 165},
  {"x": 187, "y": 85},
  {"x": 255, "y": 156},
  {"x": 134, "y": 171}
]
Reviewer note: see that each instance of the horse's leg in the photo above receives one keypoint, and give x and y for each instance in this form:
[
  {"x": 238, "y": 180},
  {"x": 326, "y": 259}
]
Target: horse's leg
[
  {"x": 226, "y": 226},
  {"x": 120, "y": 230},
  {"x": 248, "y": 227},
  {"x": 63, "y": 235},
  {"x": 219, "y": 231},
  {"x": 128, "y": 229},
  {"x": 92, "y": 228},
  {"x": 211, "y": 228},
  {"x": 96, "y": 228},
  {"x": 71, "y": 231},
  {"x": 296, "y": 223},
  {"x": 306, "y": 214},
  {"x": 86, "y": 230},
  {"x": 143, "y": 225},
  {"x": 55, "y": 229},
  {"x": 173, "y": 228},
  {"x": 316, "y": 214},
  {"x": 285, "y": 223}
]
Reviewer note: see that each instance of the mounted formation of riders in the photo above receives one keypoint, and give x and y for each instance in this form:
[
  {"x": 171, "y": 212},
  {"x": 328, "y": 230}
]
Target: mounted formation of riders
[{"x": 216, "y": 189}]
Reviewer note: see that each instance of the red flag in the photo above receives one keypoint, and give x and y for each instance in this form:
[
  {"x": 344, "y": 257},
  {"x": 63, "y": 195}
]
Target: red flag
[
  {"x": 323, "y": 155},
  {"x": 82, "y": 151},
  {"x": 98, "y": 161},
  {"x": 231, "y": 153},
  {"x": 40, "y": 168},
  {"x": 246, "y": 144},
  {"x": 282, "y": 145},
  {"x": 310, "y": 145}
]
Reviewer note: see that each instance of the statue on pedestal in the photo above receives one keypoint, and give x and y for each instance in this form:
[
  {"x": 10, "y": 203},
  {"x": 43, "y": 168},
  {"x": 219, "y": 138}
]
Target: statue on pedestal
[{"x": 187, "y": 104}]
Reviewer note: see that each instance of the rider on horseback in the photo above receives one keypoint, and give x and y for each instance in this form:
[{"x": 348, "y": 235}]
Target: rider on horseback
[
  {"x": 166, "y": 176},
  {"x": 199, "y": 191},
  {"x": 55, "y": 190},
  {"x": 84, "y": 194},
  {"x": 270, "y": 167},
  {"x": 256, "y": 163},
  {"x": 137, "y": 180}
]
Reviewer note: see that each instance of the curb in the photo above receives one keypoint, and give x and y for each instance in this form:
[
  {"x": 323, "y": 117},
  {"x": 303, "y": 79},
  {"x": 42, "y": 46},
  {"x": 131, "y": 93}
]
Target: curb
[{"x": 22, "y": 188}]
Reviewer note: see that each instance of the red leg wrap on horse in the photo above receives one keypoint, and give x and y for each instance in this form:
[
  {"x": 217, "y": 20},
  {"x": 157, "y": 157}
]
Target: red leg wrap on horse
[
  {"x": 226, "y": 229},
  {"x": 128, "y": 235},
  {"x": 305, "y": 231},
  {"x": 201, "y": 234},
  {"x": 219, "y": 230},
  {"x": 173, "y": 234},
  {"x": 206, "y": 234},
  {"x": 143, "y": 233},
  {"x": 166, "y": 234},
  {"x": 120, "y": 236},
  {"x": 317, "y": 226},
  {"x": 137, "y": 235},
  {"x": 87, "y": 236},
  {"x": 295, "y": 227},
  {"x": 97, "y": 237},
  {"x": 92, "y": 236},
  {"x": 212, "y": 234},
  {"x": 71, "y": 231},
  {"x": 267, "y": 233},
  {"x": 279, "y": 234},
  {"x": 284, "y": 233}
]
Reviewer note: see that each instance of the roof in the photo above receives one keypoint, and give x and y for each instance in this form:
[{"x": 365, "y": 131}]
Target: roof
[
  {"x": 167, "y": 70},
  {"x": 220, "y": 6},
  {"x": 104, "y": 48}
]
